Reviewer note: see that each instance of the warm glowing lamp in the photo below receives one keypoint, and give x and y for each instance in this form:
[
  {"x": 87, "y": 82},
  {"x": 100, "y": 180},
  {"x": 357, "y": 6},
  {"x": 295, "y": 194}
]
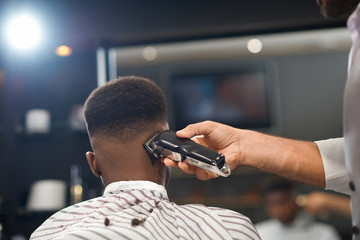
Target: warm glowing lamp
[{"x": 63, "y": 51}]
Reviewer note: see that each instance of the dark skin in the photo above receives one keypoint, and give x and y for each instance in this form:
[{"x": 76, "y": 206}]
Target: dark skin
[
  {"x": 281, "y": 205},
  {"x": 117, "y": 160}
]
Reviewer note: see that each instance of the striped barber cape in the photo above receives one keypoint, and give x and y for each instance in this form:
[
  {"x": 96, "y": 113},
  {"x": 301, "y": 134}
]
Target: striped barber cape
[{"x": 141, "y": 210}]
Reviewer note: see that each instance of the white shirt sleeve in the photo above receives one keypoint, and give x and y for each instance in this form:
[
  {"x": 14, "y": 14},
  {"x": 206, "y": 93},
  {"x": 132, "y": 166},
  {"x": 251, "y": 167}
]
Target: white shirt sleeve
[{"x": 333, "y": 157}]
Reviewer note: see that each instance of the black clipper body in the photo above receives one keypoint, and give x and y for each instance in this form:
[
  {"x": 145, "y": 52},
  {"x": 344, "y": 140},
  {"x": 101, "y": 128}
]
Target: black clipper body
[{"x": 164, "y": 144}]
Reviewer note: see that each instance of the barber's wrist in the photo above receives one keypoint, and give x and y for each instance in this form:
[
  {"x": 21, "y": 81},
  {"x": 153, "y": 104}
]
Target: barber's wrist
[{"x": 246, "y": 151}]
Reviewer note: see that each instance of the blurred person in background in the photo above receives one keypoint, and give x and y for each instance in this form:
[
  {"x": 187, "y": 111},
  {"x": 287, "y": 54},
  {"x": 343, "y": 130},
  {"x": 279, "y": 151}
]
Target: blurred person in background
[{"x": 287, "y": 219}]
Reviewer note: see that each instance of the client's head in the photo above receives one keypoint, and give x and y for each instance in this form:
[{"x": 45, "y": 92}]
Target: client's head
[{"x": 120, "y": 116}]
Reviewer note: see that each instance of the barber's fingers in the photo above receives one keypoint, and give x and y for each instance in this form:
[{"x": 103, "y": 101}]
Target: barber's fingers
[
  {"x": 202, "y": 128},
  {"x": 187, "y": 168},
  {"x": 202, "y": 174},
  {"x": 169, "y": 162}
]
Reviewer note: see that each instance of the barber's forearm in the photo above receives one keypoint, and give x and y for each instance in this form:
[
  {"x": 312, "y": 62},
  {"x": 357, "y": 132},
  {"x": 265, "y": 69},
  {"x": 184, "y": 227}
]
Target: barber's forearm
[
  {"x": 292, "y": 159},
  {"x": 339, "y": 204}
]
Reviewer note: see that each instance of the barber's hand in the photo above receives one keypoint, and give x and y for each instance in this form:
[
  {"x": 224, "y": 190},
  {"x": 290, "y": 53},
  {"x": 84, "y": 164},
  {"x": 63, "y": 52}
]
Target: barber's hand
[
  {"x": 216, "y": 136},
  {"x": 314, "y": 203},
  {"x": 293, "y": 159},
  {"x": 321, "y": 204}
]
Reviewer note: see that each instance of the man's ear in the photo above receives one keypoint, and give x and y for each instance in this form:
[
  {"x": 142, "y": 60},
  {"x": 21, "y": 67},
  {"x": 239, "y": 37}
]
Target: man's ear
[{"x": 90, "y": 156}]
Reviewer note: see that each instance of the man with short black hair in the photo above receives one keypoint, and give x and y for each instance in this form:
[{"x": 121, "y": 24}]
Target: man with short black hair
[{"x": 120, "y": 117}]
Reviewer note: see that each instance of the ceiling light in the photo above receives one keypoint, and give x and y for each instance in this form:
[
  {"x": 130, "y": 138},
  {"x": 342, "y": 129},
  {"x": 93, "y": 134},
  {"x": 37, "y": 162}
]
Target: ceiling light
[
  {"x": 150, "y": 53},
  {"x": 254, "y": 45},
  {"x": 23, "y": 32}
]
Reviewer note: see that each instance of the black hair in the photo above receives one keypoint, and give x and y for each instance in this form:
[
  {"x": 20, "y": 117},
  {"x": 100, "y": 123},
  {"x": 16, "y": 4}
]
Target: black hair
[
  {"x": 125, "y": 107},
  {"x": 278, "y": 184}
]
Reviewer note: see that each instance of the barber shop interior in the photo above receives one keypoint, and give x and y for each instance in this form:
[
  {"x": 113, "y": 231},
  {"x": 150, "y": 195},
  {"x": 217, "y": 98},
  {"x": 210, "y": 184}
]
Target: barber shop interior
[{"x": 80, "y": 160}]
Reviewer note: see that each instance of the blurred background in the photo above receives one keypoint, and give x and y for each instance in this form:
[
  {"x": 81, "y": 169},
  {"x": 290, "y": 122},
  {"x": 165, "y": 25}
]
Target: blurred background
[{"x": 274, "y": 66}]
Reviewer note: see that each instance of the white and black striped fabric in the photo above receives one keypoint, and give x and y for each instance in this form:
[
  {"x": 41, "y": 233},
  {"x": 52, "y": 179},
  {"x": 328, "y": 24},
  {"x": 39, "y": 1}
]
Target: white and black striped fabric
[{"x": 141, "y": 210}]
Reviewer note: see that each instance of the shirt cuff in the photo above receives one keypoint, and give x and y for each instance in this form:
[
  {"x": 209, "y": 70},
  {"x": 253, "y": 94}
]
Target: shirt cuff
[{"x": 333, "y": 157}]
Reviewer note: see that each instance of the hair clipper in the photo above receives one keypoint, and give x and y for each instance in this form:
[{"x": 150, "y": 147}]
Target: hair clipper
[{"x": 167, "y": 144}]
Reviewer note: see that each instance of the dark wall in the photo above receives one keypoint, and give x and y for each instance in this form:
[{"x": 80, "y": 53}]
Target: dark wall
[{"x": 55, "y": 84}]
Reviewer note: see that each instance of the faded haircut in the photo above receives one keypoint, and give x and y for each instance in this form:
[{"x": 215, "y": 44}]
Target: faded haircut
[{"x": 124, "y": 108}]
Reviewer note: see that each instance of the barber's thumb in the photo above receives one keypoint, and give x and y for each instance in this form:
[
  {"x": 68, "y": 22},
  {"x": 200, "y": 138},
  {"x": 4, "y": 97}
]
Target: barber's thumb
[
  {"x": 192, "y": 130},
  {"x": 185, "y": 133}
]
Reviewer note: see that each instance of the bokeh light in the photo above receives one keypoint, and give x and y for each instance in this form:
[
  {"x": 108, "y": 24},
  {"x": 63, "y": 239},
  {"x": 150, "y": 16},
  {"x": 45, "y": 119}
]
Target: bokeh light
[
  {"x": 23, "y": 32},
  {"x": 63, "y": 51}
]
